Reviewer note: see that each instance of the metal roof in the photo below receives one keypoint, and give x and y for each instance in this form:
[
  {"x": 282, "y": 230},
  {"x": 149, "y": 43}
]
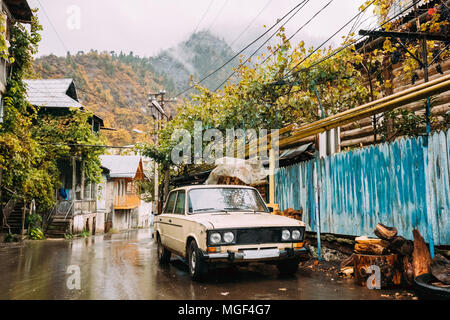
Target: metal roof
[
  {"x": 52, "y": 93},
  {"x": 121, "y": 166},
  {"x": 20, "y": 10}
]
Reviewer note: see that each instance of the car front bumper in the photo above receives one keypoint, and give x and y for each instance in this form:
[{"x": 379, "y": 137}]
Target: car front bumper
[{"x": 258, "y": 255}]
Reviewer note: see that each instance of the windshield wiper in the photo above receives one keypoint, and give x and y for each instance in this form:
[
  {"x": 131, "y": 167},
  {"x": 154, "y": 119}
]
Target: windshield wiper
[
  {"x": 243, "y": 210},
  {"x": 210, "y": 209}
]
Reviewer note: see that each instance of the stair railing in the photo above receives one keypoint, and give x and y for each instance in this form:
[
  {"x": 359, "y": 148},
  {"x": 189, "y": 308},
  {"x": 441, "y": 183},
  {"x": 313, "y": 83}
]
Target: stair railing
[
  {"x": 69, "y": 211},
  {"x": 9, "y": 207}
]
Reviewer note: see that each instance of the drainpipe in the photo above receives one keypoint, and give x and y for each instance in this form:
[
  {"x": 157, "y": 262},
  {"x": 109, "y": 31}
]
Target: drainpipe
[
  {"x": 318, "y": 178},
  {"x": 427, "y": 176}
]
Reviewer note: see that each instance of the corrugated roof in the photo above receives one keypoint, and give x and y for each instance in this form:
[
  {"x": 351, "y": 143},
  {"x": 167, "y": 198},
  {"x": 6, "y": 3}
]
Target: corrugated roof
[
  {"x": 52, "y": 93},
  {"x": 121, "y": 166}
]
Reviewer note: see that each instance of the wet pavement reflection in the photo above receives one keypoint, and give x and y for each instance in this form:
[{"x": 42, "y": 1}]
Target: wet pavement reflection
[{"x": 125, "y": 266}]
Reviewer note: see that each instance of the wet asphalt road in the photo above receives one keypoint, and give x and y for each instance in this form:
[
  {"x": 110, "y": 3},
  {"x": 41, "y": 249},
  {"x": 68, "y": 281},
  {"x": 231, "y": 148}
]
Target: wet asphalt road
[{"x": 124, "y": 266}]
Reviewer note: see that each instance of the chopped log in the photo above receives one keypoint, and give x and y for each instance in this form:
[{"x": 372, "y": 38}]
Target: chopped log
[
  {"x": 370, "y": 248},
  {"x": 347, "y": 271},
  {"x": 421, "y": 255},
  {"x": 366, "y": 240},
  {"x": 385, "y": 232},
  {"x": 402, "y": 246},
  {"x": 390, "y": 274},
  {"x": 440, "y": 268}
]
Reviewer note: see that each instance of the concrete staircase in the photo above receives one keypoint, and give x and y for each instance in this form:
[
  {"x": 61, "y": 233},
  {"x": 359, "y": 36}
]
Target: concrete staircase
[
  {"x": 58, "y": 227},
  {"x": 60, "y": 222}
]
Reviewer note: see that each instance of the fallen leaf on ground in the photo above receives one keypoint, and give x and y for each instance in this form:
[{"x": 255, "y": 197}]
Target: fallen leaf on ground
[{"x": 224, "y": 293}]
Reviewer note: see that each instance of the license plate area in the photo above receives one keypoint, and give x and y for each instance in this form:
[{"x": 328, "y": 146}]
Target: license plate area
[{"x": 261, "y": 254}]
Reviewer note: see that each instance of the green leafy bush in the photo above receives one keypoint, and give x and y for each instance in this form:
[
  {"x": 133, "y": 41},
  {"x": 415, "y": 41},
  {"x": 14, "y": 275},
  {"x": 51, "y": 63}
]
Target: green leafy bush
[{"x": 36, "y": 234}]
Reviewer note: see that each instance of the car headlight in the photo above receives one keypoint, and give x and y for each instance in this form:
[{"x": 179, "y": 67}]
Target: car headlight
[
  {"x": 296, "y": 234},
  {"x": 285, "y": 235},
  {"x": 228, "y": 237},
  {"x": 215, "y": 238}
]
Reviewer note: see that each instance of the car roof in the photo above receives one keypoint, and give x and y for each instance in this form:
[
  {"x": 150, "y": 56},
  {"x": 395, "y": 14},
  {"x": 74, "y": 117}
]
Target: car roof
[{"x": 212, "y": 186}]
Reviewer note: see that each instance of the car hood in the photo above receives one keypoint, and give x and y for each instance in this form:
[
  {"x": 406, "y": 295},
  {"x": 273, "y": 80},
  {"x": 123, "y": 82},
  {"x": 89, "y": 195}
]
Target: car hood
[{"x": 247, "y": 220}]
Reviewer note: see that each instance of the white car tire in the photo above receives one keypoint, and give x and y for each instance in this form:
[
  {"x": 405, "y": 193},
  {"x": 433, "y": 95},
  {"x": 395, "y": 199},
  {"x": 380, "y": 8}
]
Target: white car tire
[{"x": 197, "y": 268}]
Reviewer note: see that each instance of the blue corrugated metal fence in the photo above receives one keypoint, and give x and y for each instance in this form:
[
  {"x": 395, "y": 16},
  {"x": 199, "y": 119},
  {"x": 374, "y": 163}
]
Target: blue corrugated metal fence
[{"x": 355, "y": 190}]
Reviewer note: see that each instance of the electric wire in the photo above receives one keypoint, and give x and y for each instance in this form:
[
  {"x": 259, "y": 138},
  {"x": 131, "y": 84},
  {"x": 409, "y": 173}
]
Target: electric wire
[{"x": 242, "y": 50}]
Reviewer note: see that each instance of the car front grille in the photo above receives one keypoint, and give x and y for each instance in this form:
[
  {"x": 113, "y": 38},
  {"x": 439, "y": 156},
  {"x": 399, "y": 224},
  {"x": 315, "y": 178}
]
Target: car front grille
[{"x": 260, "y": 235}]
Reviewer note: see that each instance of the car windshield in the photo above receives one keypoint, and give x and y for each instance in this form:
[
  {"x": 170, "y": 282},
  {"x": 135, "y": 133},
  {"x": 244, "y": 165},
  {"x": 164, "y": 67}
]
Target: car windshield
[{"x": 225, "y": 200}]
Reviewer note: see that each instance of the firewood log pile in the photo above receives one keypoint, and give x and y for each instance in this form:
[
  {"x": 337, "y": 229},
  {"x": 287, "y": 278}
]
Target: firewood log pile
[
  {"x": 400, "y": 260},
  {"x": 290, "y": 213},
  {"x": 261, "y": 187}
]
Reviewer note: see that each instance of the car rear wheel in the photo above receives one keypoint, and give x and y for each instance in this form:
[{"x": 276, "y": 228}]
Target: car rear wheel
[
  {"x": 288, "y": 267},
  {"x": 163, "y": 253},
  {"x": 197, "y": 268}
]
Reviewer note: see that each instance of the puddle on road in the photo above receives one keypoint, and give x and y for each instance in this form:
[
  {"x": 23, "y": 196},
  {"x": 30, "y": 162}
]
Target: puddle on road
[{"x": 124, "y": 266}]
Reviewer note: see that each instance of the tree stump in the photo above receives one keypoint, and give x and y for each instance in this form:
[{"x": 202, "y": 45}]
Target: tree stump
[
  {"x": 408, "y": 271},
  {"x": 390, "y": 275},
  {"x": 370, "y": 248}
]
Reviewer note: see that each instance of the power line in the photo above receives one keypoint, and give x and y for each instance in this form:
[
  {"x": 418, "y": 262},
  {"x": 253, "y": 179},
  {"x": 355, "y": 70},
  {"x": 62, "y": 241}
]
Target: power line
[
  {"x": 257, "y": 50},
  {"x": 53, "y": 27},
  {"x": 83, "y": 145},
  {"x": 332, "y": 36},
  {"x": 67, "y": 50},
  {"x": 204, "y": 15},
  {"x": 218, "y": 14},
  {"x": 250, "y": 24},
  {"x": 299, "y": 29},
  {"x": 352, "y": 43},
  {"x": 237, "y": 54}
]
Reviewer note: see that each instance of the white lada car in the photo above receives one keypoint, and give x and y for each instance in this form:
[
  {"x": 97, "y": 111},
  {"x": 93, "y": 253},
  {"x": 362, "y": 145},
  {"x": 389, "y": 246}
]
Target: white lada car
[{"x": 209, "y": 224}]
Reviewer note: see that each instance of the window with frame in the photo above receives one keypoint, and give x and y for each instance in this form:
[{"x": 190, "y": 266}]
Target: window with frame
[
  {"x": 180, "y": 203},
  {"x": 171, "y": 203}
]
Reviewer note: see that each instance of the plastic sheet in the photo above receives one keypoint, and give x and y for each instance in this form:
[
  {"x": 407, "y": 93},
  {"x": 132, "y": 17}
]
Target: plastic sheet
[{"x": 249, "y": 171}]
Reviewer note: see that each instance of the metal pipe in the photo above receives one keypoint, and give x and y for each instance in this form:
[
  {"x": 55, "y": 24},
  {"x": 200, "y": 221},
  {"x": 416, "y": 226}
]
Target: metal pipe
[{"x": 365, "y": 110}]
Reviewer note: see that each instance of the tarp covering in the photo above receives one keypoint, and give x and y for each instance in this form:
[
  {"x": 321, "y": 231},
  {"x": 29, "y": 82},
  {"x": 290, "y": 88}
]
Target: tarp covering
[{"x": 249, "y": 171}]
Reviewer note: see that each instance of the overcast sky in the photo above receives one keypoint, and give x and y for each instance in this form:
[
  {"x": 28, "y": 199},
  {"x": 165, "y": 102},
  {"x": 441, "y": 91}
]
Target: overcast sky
[{"x": 149, "y": 26}]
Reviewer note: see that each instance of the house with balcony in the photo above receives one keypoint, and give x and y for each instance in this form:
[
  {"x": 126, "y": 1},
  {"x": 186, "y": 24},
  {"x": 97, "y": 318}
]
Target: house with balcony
[
  {"x": 118, "y": 195},
  {"x": 76, "y": 209}
]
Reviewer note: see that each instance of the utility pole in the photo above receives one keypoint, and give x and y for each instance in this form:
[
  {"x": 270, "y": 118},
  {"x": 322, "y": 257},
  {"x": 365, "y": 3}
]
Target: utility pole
[{"x": 157, "y": 103}]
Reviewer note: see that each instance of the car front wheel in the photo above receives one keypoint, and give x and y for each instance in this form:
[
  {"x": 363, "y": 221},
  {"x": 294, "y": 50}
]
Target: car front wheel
[
  {"x": 197, "y": 267},
  {"x": 163, "y": 253}
]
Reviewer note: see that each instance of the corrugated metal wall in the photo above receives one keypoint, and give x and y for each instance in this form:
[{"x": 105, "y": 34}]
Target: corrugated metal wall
[{"x": 386, "y": 183}]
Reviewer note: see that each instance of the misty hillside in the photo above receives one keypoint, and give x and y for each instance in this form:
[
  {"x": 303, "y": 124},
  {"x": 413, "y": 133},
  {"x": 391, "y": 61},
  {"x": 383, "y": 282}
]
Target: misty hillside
[
  {"x": 201, "y": 54},
  {"x": 115, "y": 85}
]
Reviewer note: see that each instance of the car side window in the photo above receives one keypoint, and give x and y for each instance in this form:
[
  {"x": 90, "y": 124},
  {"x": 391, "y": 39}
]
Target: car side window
[
  {"x": 179, "y": 207},
  {"x": 171, "y": 202}
]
